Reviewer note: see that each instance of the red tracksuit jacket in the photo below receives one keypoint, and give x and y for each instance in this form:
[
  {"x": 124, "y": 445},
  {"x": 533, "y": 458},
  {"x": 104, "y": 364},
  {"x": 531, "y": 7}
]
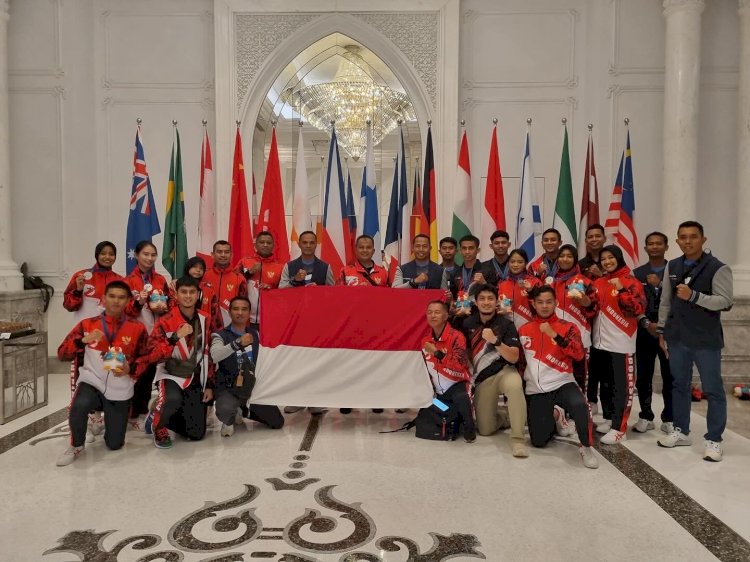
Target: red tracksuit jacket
[
  {"x": 450, "y": 363},
  {"x": 87, "y": 303},
  {"x": 356, "y": 275},
  {"x": 616, "y": 320},
  {"x": 137, "y": 280},
  {"x": 223, "y": 285},
  {"x": 567, "y": 308},
  {"x": 522, "y": 311}
]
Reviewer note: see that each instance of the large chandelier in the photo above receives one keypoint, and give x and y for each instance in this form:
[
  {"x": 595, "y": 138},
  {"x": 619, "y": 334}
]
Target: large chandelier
[{"x": 351, "y": 99}]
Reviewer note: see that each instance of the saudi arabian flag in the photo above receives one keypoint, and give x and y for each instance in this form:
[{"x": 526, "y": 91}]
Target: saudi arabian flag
[
  {"x": 463, "y": 208},
  {"x": 174, "y": 251},
  {"x": 565, "y": 214}
]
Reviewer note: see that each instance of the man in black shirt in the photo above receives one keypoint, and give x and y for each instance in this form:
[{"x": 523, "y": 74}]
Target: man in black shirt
[
  {"x": 461, "y": 279},
  {"x": 651, "y": 274},
  {"x": 495, "y": 269},
  {"x": 595, "y": 240},
  {"x": 447, "y": 249},
  {"x": 494, "y": 350}
]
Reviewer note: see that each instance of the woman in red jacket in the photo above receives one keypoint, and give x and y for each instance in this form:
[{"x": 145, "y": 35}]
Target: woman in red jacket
[
  {"x": 152, "y": 298},
  {"x": 570, "y": 285},
  {"x": 618, "y": 299},
  {"x": 514, "y": 291}
]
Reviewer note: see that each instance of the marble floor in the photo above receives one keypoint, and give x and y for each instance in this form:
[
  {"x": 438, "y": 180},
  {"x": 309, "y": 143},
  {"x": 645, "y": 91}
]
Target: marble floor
[{"x": 332, "y": 487}]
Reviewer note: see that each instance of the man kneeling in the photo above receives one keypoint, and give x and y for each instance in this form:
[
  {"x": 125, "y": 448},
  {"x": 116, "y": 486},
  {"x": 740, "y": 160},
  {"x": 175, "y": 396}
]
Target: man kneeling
[
  {"x": 184, "y": 375},
  {"x": 445, "y": 355},
  {"x": 550, "y": 346},
  {"x": 234, "y": 350},
  {"x": 110, "y": 344}
]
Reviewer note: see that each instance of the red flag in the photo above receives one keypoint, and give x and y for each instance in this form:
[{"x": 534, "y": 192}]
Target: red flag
[
  {"x": 493, "y": 214},
  {"x": 590, "y": 201},
  {"x": 254, "y": 206},
  {"x": 271, "y": 216},
  {"x": 418, "y": 221},
  {"x": 207, "y": 211},
  {"x": 240, "y": 235},
  {"x": 429, "y": 199}
]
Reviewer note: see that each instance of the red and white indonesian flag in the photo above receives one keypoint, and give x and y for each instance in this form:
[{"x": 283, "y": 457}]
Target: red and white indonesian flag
[{"x": 343, "y": 347}]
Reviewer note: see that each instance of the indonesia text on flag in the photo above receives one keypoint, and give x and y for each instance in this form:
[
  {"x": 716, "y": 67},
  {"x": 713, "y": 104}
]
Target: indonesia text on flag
[
  {"x": 463, "y": 208},
  {"x": 493, "y": 213},
  {"x": 368, "y": 218},
  {"x": 301, "y": 217},
  {"x": 357, "y": 358},
  {"x": 529, "y": 219},
  {"x": 335, "y": 225},
  {"x": 207, "y": 209},
  {"x": 142, "y": 220},
  {"x": 590, "y": 200},
  {"x": 620, "y": 225}
]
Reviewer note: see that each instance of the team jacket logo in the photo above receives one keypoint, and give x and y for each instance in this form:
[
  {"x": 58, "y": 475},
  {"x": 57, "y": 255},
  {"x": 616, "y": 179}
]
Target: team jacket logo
[
  {"x": 125, "y": 340},
  {"x": 89, "y": 290},
  {"x": 230, "y": 286},
  {"x": 270, "y": 274},
  {"x": 526, "y": 341}
]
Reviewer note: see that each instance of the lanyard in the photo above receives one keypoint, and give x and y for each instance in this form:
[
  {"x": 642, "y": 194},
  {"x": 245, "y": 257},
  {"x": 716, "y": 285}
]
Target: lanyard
[
  {"x": 146, "y": 277},
  {"x": 502, "y": 271},
  {"x": 107, "y": 334},
  {"x": 465, "y": 276}
]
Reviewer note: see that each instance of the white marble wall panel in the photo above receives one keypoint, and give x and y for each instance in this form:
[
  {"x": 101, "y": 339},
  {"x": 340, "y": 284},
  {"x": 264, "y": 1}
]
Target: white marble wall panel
[
  {"x": 35, "y": 38},
  {"x": 637, "y": 45}
]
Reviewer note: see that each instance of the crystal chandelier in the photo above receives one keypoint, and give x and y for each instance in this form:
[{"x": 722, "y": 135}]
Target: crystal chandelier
[{"x": 350, "y": 99}]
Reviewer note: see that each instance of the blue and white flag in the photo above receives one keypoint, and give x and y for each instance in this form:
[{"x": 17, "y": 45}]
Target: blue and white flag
[
  {"x": 143, "y": 223},
  {"x": 368, "y": 219},
  {"x": 529, "y": 218}
]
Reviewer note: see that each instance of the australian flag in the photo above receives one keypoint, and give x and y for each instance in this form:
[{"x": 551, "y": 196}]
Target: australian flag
[{"x": 142, "y": 220}]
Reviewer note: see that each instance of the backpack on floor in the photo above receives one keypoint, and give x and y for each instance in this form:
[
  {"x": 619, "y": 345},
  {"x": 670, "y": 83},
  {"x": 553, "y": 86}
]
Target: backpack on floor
[{"x": 434, "y": 424}]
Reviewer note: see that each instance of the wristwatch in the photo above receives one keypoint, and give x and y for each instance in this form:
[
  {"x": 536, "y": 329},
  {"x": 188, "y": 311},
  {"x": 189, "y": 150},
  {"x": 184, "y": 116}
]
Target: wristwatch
[{"x": 174, "y": 338}]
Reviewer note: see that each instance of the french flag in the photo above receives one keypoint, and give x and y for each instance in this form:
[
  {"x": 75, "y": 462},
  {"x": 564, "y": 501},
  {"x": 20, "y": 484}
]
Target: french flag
[
  {"x": 357, "y": 358},
  {"x": 335, "y": 227}
]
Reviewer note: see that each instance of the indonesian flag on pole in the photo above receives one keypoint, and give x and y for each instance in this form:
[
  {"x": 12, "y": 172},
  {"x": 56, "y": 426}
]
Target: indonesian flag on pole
[
  {"x": 620, "y": 225},
  {"x": 335, "y": 226},
  {"x": 493, "y": 214},
  {"x": 358, "y": 358},
  {"x": 368, "y": 219},
  {"x": 463, "y": 208},
  {"x": 240, "y": 235},
  {"x": 271, "y": 216},
  {"x": 301, "y": 217},
  {"x": 590, "y": 201},
  {"x": 207, "y": 209}
]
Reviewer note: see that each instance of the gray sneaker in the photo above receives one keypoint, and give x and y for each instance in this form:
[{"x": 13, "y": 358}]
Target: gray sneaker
[
  {"x": 667, "y": 427},
  {"x": 712, "y": 451},
  {"x": 675, "y": 439},
  {"x": 69, "y": 455},
  {"x": 642, "y": 426},
  {"x": 588, "y": 457}
]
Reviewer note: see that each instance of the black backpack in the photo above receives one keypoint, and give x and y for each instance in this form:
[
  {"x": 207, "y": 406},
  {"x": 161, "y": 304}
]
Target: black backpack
[
  {"x": 31, "y": 282},
  {"x": 434, "y": 424}
]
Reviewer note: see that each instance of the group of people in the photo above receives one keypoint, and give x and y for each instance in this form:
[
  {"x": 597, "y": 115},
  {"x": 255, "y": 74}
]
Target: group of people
[{"x": 549, "y": 339}]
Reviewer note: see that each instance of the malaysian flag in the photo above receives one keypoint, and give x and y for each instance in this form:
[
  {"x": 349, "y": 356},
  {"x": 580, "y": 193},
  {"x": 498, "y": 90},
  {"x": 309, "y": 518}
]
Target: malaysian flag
[
  {"x": 142, "y": 220},
  {"x": 620, "y": 224}
]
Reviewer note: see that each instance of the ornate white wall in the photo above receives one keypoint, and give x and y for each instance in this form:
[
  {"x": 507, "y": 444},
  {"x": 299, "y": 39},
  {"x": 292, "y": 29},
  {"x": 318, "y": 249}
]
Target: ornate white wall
[{"x": 82, "y": 71}]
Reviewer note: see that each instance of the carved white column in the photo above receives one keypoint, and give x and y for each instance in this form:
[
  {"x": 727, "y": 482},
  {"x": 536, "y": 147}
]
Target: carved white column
[
  {"x": 681, "y": 87},
  {"x": 741, "y": 269},
  {"x": 10, "y": 278}
]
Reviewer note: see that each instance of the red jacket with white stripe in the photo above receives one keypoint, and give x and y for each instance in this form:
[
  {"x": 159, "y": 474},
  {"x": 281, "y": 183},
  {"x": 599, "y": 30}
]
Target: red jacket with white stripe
[
  {"x": 617, "y": 311},
  {"x": 569, "y": 309},
  {"x": 218, "y": 288},
  {"x": 449, "y": 364},
  {"x": 127, "y": 334},
  {"x": 519, "y": 296},
  {"x": 88, "y": 302},
  {"x": 160, "y": 349},
  {"x": 137, "y": 280},
  {"x": 356, "y": 275},
  {"x": 549, "y": 362},
  {"x": 266, "y": 279}
]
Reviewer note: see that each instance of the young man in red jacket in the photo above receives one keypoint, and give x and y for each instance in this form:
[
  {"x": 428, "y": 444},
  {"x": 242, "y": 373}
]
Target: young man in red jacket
[
  {"x": 445, "y": 355},
  {"x": 220, "y": 284},
  {"x": 550, "y": 346},
  {"x": 110, "y": 343},
  {"x": 262, "y": 272},
  {"x": 364, "y": 272},
  {"x": 179, "y": 344}
]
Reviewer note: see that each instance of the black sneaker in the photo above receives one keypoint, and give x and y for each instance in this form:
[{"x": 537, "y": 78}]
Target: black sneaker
[
  {"x": 470, "y": 436},
  {"x": 345, "y": 410},
  {"x": 377, "y": 410}
]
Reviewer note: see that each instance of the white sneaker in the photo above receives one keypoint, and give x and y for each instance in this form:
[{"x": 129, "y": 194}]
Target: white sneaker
[
  {"x": 604, "y": 427},
  {"x": 712, "y": 451},
  {"x": 561, "y": 424},
  {"x": 136, "y": 424},
  {"x": 227, "y": 430},
  {"x": 642, "y": 426},
  {"x": 96, "y": 423},
  {"x": 211, "y": 420},
  {"x": 238, "y": 419},
  {"x": 675, "y": 439},
  {"x": 293, "y": 409},
  {"x": 90, "y": 436},
  {"x": 69, "y": 455},
  {"x": 667, "y": 427},
  {"x": 594, "y": 407},
  {"x": 613, "y": 437},
  {"x": 588, "y": 457}
]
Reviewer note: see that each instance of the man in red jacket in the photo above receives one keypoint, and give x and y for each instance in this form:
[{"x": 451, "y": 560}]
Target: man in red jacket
[
  {"x": 550, "y": 346},
  {"x": 444, "y": 353},
  {"x": 110, "y": 343},
  {"x": 222, "y": 282},
  {"x": 262, "y": 272}
]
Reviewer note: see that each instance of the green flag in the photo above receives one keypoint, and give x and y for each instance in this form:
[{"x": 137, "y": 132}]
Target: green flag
[
  {"x": 174, "y": 252},
  {"x": 565, "y": 214}
]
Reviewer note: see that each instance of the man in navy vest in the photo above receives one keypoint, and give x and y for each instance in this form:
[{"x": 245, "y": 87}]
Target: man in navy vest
[
  {"x": 420, "y": 273},
  {"x": 234, "y": 351},
  {"x": 697, "y": 287},
  {"x": 307, "y": 269},
  {"x": 304, "y": 271}
]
